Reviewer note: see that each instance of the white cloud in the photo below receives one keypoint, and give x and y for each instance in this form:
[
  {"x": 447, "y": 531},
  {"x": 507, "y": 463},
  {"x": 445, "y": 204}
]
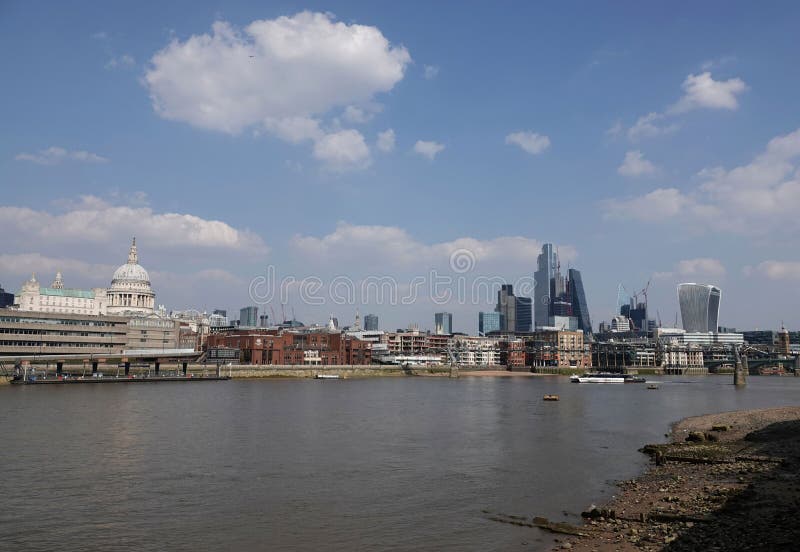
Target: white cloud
[
  {"x": 386, "y": 140},
  {"x": 430, "y": 71},
  {"x": 343, "y": 150},
  {"x": 776, "y": 270},
  {"x": 22, "y": 265},
  {"x": 55, "y": 155},
  {"x": 757, "y": 198},
  {"x": 281, "y": 75},
  {"x": 702, "y": 91},
  {"x": 95, "y": 221},
  {"x": 648, "y": 126},
  {"x": 428, "y": 149},
  {"x": 391, "y": 246},
  {"x": 530, "y": 142},
  {"x": 635, "y": 165},
  {"x": 297, "y": 66}
]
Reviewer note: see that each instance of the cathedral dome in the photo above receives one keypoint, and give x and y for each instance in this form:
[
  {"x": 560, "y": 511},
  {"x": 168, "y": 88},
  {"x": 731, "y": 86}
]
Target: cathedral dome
[{"x": 130, "y": 291}]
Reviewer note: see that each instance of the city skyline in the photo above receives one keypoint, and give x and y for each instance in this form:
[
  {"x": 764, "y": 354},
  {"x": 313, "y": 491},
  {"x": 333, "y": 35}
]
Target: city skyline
[{"x": 673, "y": 163}]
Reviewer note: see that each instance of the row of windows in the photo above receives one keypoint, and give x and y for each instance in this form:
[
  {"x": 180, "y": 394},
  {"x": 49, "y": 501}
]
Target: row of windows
[
  {"x": 27, "y": 331},
  {"x": 48, "y": 345},
  {"x": 26, "y": 320}
]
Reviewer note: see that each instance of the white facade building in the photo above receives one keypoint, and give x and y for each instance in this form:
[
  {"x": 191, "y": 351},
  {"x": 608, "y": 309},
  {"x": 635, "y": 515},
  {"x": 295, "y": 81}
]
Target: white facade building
[
  {"x": 130, "y": 292},
  {"x": 57, "y": 298}
]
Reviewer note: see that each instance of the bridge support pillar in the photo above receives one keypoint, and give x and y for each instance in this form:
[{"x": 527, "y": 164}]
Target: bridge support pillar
[
  {"x": 797, "y": 365},
  {"x": 740, "y": 372},
  {"x": 59, "y": 368},
  {"x": 127, "y": 368},
  {"x": 94, "y": 366},
  {"x": 184, "y": 367},
  {"x": 158, "y": 367}
]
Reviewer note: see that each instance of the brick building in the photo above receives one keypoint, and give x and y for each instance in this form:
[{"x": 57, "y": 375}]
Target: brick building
[{"x": 271, "y": 346}]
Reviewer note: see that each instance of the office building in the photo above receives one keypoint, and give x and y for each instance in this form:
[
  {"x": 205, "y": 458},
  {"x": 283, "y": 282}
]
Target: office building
[
  {"x": 488, "y": 322},
  {"x": 6, "y": 299},
  {"x": 580, "y": 309},
  {"x": 371, "y": 322},
  {"x": 507, "y": 308},
  {"x": 546, "y": 264},
  {"x": 248, "y": 317},
  {"x": 524, "y": 314},
  {"x": 443, "y": 322},
  {"x": 699, "y": 304}
]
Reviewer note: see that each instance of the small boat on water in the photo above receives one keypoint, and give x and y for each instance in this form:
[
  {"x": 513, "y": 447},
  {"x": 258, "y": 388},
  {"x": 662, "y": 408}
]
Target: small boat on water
[
  {"x": 327, "y": 376},
  {"x": 606, "y": 377},
  {"x": 550, "y": 398},
  {"x": 652, "y": 386}
]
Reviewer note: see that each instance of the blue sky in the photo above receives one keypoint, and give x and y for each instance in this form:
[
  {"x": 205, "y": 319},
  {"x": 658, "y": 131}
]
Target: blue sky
[{"x": 662, "y": 143}]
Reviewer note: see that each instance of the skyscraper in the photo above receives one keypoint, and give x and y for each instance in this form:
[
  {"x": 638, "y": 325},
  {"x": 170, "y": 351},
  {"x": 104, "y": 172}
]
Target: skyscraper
[
  {"x": 699, "y": 306},
  {"x": 371, "y": 322},
  {"x": 546, "y": 263},
  {"x": 443, "y": 322},
  {"x": 507, "y": 308},
  {"x": 524, "y": 311},
  {"x": 488, "y": 322},
  {"x": 248, "y": 317},
  {"x": 580, "y": 309}
]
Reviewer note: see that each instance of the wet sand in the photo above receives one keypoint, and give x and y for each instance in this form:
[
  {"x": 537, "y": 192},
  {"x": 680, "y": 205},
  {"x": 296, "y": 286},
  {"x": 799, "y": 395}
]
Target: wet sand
[{"x": 733, "y": 485}]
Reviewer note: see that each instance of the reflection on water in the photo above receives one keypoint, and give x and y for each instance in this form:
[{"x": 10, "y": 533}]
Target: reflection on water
[{"x": 380, "y": 464}]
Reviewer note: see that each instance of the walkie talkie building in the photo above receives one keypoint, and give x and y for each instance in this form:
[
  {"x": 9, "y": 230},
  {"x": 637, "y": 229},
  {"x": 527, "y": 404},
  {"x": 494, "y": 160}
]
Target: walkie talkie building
[{"x": 699, "y": 307}]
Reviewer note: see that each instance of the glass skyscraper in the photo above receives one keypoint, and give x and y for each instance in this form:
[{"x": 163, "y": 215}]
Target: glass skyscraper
[
  {"x": 524, "y": 312},
  {"x": 507, "y": 308},
  {"x": 547, "y": 263},
  {"x": 371, "y": 322},
  {"x": 580, "y": 309},
  {"x": 699, "y": 307},
  {"x": 488, "y": 322},
  {"x": 444, "y": 322},
  {"x": 248, "y": 317}
]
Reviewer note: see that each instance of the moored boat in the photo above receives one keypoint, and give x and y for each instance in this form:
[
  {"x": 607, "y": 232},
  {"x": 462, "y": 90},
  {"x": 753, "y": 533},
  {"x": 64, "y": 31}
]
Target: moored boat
[{"x": 606, "y": 377}]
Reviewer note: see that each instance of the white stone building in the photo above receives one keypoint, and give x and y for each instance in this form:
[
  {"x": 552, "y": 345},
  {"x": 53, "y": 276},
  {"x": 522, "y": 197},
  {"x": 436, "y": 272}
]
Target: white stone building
[
  {"x": 130, "y": 292},
  {"x": 57, "y": 298}
]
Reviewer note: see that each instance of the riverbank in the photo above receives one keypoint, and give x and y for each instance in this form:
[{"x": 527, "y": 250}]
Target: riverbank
[{"x": 725, "y": 481}]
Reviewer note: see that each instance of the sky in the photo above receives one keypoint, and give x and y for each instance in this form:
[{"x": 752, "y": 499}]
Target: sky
[{"x": 404, "y": 158}]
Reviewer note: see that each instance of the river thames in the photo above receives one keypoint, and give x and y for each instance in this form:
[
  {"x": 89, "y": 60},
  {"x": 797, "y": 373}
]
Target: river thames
[{"x": 373, "y": 464}]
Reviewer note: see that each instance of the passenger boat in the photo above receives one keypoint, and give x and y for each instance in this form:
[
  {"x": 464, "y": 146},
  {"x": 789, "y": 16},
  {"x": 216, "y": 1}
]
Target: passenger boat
[
  {"x": 606, "y": 377},
  {"x": 327, "y": 376}
]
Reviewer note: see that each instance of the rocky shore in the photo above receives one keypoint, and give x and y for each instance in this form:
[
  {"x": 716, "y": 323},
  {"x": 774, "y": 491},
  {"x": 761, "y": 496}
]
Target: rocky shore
[{"x": 728, "y": 481}]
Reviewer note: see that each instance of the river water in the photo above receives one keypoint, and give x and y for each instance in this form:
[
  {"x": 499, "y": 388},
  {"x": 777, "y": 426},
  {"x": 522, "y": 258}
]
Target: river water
[{"x": 361, "y": 464}]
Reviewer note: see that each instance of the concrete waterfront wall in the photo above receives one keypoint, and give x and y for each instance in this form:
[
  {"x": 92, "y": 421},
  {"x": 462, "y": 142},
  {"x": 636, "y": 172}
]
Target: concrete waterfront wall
[{"x": 244, "y": 371}]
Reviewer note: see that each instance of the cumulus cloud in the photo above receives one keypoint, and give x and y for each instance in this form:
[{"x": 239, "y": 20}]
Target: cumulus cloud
[
  {"x": 776, "y": 270},
  {"x": 386, "y": 140},
  {"x": 703, "y": 266},
  {"x": 55, "y": 155},
  {"x": 343, "y": 150},
  {"x": 650, "y": 125},
  {"x": 530, "y": 142},
  {"x": 702, "y": 91},
  {"x": 430, "y": 71},
  {"x": 756, "y": 198},
  {"x": 288, "y": 68},
  {"x": 391, "y": 246},
  {"x": 428, "y": 149},
  {"x": 360, "y": 114},
  {"x": 22, "y": 265},
  {"x": 93, "y": 220},
  {"x": 635, "y": 165}
]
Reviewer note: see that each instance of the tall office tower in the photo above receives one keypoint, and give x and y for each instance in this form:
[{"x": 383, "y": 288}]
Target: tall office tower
[
  {"x": 699, "y": 307},
  {"x": 580, "y": 309},
  {"x": 488, "y": 322},
  {"x": 524, "y": 311},
  {"x": 547, "y": 263},
  {"x": 443, "y": 323},
  {"x": 371, "y": 322},
  {"x": 248, "y": 317},
  {"x": 507, "y": 308}
]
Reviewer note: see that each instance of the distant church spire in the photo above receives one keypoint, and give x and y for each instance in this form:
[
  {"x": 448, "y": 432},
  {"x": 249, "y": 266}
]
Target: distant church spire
[
  {"x": 133, "y": 257},
  {"x": 58, "y": 283}
]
